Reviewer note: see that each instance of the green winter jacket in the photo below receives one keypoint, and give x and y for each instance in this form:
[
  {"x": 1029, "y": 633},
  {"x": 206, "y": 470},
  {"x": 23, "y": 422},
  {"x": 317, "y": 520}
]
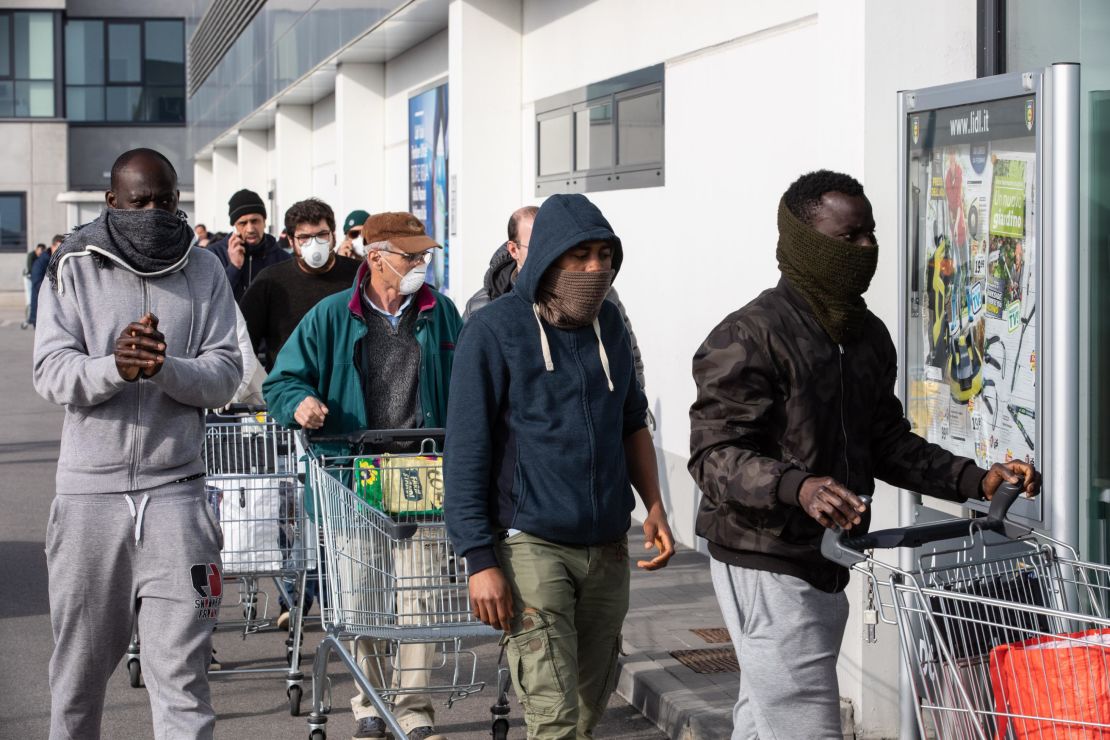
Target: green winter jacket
[{"x": 318, "y": 359}]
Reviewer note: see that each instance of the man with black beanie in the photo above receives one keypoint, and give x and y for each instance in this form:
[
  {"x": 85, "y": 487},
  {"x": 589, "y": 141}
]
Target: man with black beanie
[
  {"x": 248, "y": 250},
  {"x": 795, "y": 418}
]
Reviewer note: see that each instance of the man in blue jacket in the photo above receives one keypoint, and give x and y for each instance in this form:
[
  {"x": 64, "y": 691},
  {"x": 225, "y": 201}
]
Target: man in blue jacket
[
  {"x": 546, "y": 438},
  {"x": 248, "y": 249}
]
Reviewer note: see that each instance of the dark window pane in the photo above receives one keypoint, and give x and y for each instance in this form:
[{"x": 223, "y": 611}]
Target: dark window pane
[
  {"x": 164, "y": 104},
  {"x": 34, "y": 99},
  {"x": 593, "y": 141},
  {"x": 123, "y": 104},
  {"x": 124, "y": 52},
  {"x": 640, "y": 134},
  {"x": 85, "y": 53},
  {"x": 5, "y": 38},
  {"x": 7, "y": 99},
  {"x": 34, "y": 46},
  {"x": 85, "y": 103},
  {"x": 13, "y": 232},
  {"x": 555, "y": 145},
  {"x": 165, "y": 53}
]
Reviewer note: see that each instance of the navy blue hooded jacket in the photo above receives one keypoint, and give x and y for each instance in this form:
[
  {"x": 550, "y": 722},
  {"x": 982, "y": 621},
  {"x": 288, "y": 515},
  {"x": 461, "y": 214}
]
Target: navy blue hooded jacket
[{"x": 532, "y": 448}]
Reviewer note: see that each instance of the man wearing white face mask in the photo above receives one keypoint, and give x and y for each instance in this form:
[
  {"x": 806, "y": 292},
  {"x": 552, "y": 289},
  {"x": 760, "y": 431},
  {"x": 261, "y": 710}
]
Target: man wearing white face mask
[
  {"x": 377, "y": 356},
  {"x": 281, "y": 295}
]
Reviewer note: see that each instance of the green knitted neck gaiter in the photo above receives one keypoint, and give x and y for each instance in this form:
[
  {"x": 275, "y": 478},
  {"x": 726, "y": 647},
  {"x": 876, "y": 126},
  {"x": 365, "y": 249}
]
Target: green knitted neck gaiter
[{"x": 832, "y": 275}]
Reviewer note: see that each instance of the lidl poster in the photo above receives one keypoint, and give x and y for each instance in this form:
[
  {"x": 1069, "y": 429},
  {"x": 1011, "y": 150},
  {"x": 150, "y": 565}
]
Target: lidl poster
[
  {"x": 428, "y": 174},
  {"x": 972, "y": 357}
]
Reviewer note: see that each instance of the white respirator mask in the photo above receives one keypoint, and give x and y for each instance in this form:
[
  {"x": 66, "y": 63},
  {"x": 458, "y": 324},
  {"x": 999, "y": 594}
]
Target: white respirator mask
[
  {"x": 359, "y": 246},
  {"x": 411, "y": 280},
  {"x": 316, "y": 253}
]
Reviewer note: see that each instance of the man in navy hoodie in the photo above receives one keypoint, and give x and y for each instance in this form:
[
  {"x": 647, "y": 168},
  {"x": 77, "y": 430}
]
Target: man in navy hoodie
[{"x": 546, "y": 438}]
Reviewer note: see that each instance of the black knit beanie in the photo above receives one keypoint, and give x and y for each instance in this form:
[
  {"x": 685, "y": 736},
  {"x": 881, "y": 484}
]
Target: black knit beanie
[{"x": 245, "y": 202}]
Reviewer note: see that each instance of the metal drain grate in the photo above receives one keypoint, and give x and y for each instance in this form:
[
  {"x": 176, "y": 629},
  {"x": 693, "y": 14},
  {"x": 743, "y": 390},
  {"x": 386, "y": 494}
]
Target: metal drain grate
[
  {"x": 708, "y": 660},
  {"x": 712, "y": 635}
]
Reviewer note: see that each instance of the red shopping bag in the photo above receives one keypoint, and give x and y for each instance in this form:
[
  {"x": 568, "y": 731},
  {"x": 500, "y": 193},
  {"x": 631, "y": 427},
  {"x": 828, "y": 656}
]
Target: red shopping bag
[{"x": 1053, "y": 685}]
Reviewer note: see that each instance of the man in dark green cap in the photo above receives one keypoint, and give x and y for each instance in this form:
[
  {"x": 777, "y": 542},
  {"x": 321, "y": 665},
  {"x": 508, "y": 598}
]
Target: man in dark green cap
[{"x": 352, "y": 244}]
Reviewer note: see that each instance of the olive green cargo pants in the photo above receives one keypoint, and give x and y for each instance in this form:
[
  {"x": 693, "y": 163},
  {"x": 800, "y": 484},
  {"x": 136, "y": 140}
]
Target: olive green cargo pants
[{"x": 569, "y": 605}]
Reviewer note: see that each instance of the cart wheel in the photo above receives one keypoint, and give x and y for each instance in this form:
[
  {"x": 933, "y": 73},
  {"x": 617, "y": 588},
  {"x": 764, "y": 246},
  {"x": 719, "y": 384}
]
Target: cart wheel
[
  {"x": 318, "y": 734},
  {"x": 135, "y": 673},
  {"x": 294, "y": 693},
  {"x": 500, "y": 730}
]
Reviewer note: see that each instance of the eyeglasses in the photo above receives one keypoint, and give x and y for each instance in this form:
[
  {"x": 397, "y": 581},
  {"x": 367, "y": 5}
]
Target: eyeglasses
[
  {"x": 412, "y": 259},
  {"x": 303, "y": 239}
]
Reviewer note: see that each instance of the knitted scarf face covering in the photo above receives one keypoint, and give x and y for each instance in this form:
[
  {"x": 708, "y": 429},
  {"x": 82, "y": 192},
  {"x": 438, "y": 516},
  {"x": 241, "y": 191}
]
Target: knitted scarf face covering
[
  {"x": 568, "y": 299},
  {"x": 831, "y": 274}
]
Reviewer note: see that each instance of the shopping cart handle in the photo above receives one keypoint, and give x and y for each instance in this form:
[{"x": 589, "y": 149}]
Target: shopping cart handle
[
  {"x": 240, "y": 409},
  {"x": 842, "y": 548},
  {"x": 377, "y": 437}
]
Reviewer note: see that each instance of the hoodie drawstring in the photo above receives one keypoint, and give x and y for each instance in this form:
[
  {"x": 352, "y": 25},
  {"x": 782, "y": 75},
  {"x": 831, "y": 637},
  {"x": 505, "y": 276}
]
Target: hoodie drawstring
[
  {"x": 137, "y": 515},
  {"x": 604, "y": 357},
  {"x": 543, "y": 340},
  {"x": 547, "y": 363}
]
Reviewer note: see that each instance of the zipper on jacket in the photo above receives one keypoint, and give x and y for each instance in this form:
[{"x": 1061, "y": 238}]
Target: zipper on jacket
[
  {"x": 139, "y": 382},
  {"x": 589, "y": 431},
  {"x": 843, "y": 424}
]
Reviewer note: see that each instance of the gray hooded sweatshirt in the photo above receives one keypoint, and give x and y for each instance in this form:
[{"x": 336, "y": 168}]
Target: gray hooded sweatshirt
[{"x": 121, "y": 436}]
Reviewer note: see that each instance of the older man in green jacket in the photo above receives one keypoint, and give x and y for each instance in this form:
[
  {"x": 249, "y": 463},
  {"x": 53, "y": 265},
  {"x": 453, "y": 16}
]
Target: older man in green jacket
[{"x": 377, "y": 356}]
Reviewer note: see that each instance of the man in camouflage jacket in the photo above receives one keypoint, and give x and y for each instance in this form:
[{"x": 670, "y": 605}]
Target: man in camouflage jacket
[{"x": 795, "y": 418}]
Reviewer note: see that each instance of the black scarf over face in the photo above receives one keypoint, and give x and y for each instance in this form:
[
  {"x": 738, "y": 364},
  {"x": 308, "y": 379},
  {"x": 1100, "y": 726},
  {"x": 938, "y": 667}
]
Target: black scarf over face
[
  {"x": 831, "y": 274},
  {"x": 147, "y": 241}
]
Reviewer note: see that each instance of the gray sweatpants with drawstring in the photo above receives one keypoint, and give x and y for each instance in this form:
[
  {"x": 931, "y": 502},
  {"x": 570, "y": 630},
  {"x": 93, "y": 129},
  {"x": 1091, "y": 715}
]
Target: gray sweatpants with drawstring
[{"x": 155, "y": 551}]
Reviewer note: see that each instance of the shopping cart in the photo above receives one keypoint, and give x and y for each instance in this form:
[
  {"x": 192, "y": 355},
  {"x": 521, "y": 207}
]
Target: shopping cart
[
  {"x": 254, "y": 489},
  {"x": 1004, "y": 631},
  {"x": 393, "y": 580}
]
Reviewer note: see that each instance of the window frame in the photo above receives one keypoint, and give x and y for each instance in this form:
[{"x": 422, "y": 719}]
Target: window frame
[
  {"x": 58, "y": 79},
  {"x": 22, "y": 195},
  {"x": 142, "y": 84},
  {"x": 615, "y": 176}
]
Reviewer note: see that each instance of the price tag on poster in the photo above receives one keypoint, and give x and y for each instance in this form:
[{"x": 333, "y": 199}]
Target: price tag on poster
[{"x": 971, "y": 345}]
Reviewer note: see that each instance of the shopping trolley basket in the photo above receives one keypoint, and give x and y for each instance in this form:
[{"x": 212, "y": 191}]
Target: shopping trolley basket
[
  {"x": 393, "y": 580},
  {"x": 253, "y": 487},
  {"x": 1004, "y": 631}
]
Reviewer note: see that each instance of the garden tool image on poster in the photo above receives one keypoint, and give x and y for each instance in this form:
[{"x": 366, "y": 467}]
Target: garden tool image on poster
[{"x": 972, "y": 337}]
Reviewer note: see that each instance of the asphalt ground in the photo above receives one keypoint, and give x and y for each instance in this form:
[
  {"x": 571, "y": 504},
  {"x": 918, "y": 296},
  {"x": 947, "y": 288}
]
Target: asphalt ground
[{"x": 247, "y": 706}]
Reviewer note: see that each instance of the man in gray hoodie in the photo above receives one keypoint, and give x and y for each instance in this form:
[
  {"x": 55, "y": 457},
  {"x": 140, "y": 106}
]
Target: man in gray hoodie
[{"x": 136, "y": 337}]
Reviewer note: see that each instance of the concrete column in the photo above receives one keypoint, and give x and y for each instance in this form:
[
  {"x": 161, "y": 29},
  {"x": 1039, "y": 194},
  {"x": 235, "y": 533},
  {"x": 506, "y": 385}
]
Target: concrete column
[
  {"x": 484, "y": 129},
  {"x": 360, "y": 138},
  {"x": 293, "y": 158},
  {"x": 225, "y": 181},
  {"x": 254, "y": 163},
  {"x": 204, "y": 208}
]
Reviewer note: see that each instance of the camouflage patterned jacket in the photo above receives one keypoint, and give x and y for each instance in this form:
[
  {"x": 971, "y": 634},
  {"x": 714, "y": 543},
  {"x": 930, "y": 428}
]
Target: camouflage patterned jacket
[{"x": 778, "y": 401}]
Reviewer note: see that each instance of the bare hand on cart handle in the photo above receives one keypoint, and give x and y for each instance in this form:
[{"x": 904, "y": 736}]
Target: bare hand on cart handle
[
  {"x": 830, "y": 503},
  {"x": 491, "y": 599},
  {"x": 311, "y": 413},
  {"x": 1012, "y": 472},
  {"x": 140, "y": 348}
]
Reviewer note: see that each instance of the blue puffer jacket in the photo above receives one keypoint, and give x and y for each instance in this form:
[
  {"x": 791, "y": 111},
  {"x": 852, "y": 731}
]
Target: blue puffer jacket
[{"x": 538, "y": 445}]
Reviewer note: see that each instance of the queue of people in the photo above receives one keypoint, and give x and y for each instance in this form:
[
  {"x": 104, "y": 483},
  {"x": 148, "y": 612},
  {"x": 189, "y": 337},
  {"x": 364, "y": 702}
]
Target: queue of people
[{"x": 146, "y": 322}]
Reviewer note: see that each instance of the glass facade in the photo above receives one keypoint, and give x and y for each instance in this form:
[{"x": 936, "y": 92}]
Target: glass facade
[
  {"x": 125, "y": 71},
  {"x": 1038, "y": 34},
  {"x": 279, "y": 46},
  {"x": 13, "y": 222},
  {"x": 27, "y": 67}
]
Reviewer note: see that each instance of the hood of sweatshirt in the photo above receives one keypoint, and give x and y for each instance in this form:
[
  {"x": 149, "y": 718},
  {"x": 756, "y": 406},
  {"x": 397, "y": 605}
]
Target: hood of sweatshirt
[
  {"x": 563, "y": 221},
  {"x": 499, "y": 277}
]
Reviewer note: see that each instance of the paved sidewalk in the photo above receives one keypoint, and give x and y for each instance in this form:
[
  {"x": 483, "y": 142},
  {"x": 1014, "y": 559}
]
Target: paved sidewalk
[{"x": 664, "y": 607}]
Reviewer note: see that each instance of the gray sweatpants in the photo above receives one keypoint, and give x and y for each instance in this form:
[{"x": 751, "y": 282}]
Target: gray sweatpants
[
  {"x": 157, "y": 551},
  {"x": 787, "y": 636}
]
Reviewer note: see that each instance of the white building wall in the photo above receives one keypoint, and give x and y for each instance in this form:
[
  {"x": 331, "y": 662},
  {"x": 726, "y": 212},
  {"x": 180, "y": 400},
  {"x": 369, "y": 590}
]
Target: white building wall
[
  {"x": 325, "y": 180},
  {"x": 253, "y": 161},
  {"x": 226, "y": 182},
  {"x": 405, "y": 75},
  {"x": 360, "y": 138}
]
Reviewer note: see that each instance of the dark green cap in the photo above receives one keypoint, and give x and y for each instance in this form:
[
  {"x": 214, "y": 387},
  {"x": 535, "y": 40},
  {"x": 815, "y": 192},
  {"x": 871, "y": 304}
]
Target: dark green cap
[{"x": 354, "y": 218}]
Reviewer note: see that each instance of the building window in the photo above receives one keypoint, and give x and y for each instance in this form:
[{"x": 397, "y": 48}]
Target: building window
[
  {"x": 605, "y": 136},
  {"x": 13, "y": 222},
  {"x": 27, "y": 60},
  {"x": 130, "y": 71}
]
